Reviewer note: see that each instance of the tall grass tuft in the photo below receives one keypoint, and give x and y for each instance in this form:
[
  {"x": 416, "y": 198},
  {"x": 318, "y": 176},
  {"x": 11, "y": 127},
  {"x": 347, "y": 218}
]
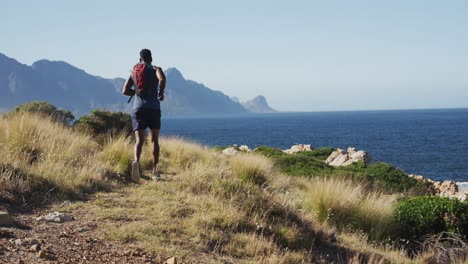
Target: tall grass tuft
[
  {"x": 252, "y": 168},
  {"x": 181, "y": 154},
  {"x": 117, "y": 154},
  {"x": 347, "y": 205}
]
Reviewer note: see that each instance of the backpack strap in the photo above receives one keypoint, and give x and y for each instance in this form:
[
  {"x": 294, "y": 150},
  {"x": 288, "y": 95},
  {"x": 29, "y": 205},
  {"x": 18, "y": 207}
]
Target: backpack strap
[{"x": 134, "y": 84}]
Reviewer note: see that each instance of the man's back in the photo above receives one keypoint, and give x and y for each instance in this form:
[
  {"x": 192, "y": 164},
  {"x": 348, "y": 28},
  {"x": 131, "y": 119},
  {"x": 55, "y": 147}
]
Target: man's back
[{"x": 149, "y": 97}]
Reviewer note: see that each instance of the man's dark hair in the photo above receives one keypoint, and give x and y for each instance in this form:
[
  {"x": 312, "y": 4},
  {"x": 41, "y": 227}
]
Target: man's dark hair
[{"x": 145, "y": 54}]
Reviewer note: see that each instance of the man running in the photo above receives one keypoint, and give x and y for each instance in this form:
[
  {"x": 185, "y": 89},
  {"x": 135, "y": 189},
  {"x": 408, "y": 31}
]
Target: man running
[{"x": 146, "y": 111}]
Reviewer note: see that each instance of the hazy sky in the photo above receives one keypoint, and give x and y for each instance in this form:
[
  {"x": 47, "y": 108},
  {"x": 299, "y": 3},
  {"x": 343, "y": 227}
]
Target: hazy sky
[{"x": 302, "y": 55}]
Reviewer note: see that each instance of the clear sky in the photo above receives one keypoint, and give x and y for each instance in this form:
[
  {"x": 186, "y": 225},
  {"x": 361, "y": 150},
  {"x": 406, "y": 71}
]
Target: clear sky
[{"x": 302, "y": 55}]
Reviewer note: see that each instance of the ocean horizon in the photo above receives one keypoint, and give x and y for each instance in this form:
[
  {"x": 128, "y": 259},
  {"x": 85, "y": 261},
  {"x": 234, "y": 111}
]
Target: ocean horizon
[{"x": 428, "y": 142}]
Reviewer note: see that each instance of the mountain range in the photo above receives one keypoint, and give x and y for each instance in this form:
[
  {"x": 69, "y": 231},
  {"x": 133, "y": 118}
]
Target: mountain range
[{"x": 68, "y": 87}]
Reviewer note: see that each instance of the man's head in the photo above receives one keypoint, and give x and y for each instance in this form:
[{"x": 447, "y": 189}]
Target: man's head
[{"x": 145, "y": 56}]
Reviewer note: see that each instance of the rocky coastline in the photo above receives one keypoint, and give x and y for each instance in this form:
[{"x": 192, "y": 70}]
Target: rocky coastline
[{"x": 340, "y": 157}]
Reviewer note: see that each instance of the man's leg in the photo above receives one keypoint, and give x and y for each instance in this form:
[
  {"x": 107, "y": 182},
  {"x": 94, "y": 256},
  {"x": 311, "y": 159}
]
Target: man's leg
[
  {"x": 155, "y": 141},
  {"x": 140, "y": 136}
]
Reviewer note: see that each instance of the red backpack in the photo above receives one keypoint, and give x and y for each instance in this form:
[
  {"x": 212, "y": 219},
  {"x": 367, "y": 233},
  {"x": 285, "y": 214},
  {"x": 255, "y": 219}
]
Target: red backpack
[{"x": 144, "y": 79}]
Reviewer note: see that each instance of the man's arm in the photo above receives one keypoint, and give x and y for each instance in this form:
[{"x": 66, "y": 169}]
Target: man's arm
[
  {"x": 127, "y": 88},
  {"x": 162, "y": 82}
]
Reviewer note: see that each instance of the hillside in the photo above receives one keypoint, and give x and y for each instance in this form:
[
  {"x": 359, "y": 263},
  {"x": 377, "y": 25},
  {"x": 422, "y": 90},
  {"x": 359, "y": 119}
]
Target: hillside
[
  {"x": 265, "y": 206},
  {"x": 189, "y": 97},
  {"x": 258, "y": 105},
  {"x": 57, "y": 82},
  {"x": 66, "y": 86}
]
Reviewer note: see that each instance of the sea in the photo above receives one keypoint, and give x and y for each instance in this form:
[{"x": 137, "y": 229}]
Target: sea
[{"x": 432, "y": 143}]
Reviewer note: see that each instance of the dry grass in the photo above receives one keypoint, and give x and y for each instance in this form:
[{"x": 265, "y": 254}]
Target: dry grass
[
  {"x": 377, "y": 252},
  {"x": 214, "y": 206},
  {"x": 117, "y": 155},
  {"x": 347, "y": 206},
  {"x": 223, "y": 209},
  {"x": 208, "y": 207},
  {"x": 181, "y": 154},
  {"x": 45, "y": 157},
  {"x": 253, "y": 168}
]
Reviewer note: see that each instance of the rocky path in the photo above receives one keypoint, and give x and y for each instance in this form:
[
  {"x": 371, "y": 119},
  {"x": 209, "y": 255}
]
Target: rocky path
[{"x": 78, "y": 241}]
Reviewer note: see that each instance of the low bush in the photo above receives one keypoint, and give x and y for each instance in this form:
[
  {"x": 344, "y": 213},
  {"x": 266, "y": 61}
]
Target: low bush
[
  {"x": 390, "y": 179},
  {"x": 269, "y": 152},
  {"x": 44, "y": 108},
  {"x": 103, "y": 124},
  {"x": 427, "y": 215},
  {"x": 298, "y": 165},
  {"x": 379, "y": 176},
  {"x": 320, "y": 154}
]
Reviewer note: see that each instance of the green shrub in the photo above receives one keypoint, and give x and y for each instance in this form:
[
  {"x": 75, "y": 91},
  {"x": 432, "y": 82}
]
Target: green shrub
[
  {"x": 379, "y": 176},
  {"x": 102, "y": 124},
  {"x": 41, "y": 107},
  {"x": 297, "y": 165},
  {"x": 269, "y": 152},
  {"x": 390, "y": 179},
  {"x": 428, "y": 215},
  {"x": 320, "y": 154},
  {"x": 221, "y": 148}
]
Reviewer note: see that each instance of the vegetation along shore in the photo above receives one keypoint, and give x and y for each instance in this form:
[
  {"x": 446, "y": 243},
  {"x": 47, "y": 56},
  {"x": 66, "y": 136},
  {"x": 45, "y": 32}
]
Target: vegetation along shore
[{"x": 66, "y": 196}]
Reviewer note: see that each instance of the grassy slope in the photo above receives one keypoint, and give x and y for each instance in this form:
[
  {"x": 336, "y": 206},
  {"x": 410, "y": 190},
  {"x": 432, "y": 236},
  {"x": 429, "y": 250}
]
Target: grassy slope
[{"x": 239, "y": 209}]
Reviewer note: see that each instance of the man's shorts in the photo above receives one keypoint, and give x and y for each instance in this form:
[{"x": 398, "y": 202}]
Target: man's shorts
[{"x": 146, "y": 117}]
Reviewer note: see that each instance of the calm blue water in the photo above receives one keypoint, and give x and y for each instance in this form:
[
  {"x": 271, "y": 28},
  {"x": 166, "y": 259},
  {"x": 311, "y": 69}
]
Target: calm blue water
[{"x": 433, "y": 143}]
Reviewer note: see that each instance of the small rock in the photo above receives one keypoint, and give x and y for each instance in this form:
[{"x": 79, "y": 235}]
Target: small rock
[
  {"x": 34, "y": 248},
  {"x": 64, "y": 234},
  {"x": 230, "y": 151},
  {"x": 341, "y": 158},
  {"x": 449, "y": 187},
  {"x": 46, "y": 255},
  {"x": 351, "y": 150},
  {"x": 56, "y": 217},
  {"x": 340, "y": 151},
  {"x": 65, "y": 203},
  {"x": 31, "y": 241},
  {"x": 462, "y": 197},
  {"x": 5, "y": 219},
  {"x": 82, "y": 229},
  {"x": 18, "y": 242},
  {"x": 416, "y": 177},
  {"x": 172, "y": 260},
  {"x": 334, "y": 155},
  {"x": 244, "y": 148},
  {"x": 298, "y": 148}
]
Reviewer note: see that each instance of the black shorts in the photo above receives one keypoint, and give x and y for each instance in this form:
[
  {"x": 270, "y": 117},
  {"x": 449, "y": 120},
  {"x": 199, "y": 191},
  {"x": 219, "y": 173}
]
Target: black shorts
[{"x": 146, "y": 117}]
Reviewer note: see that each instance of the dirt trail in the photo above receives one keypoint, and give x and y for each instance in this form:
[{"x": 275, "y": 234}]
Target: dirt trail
[{"x": 79, "y": 241}]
